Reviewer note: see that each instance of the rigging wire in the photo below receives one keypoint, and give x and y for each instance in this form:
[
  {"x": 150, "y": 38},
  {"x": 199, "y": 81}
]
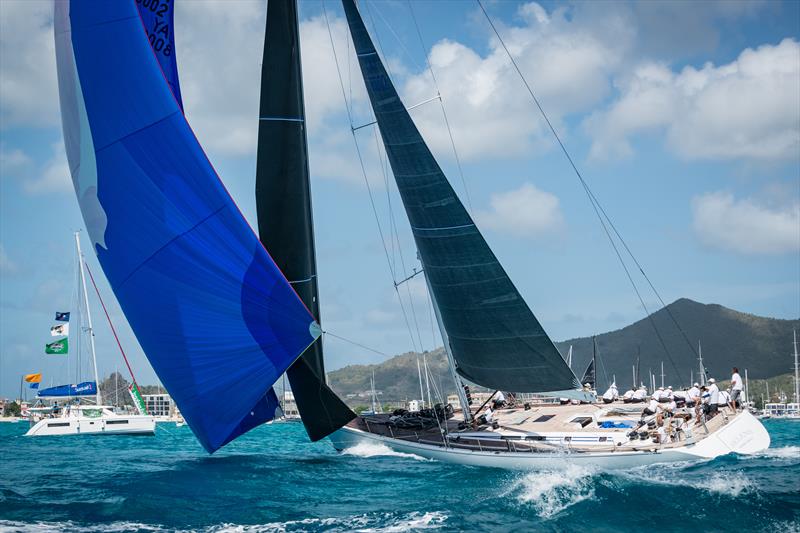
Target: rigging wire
[
  {"x": 354, "y": 343},
  {"x": 598, "y": 209},
  {"x": 366, "y": 179},
  {"x": 441, "y": 104}
]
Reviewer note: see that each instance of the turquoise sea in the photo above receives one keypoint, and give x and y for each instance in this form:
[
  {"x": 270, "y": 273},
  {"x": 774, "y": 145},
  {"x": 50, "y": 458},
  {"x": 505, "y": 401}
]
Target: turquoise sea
[{"x": 273, "y": 479}]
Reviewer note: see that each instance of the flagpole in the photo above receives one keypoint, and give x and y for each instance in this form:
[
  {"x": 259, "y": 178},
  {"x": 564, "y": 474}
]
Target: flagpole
[{"x": 88, "y": 315}]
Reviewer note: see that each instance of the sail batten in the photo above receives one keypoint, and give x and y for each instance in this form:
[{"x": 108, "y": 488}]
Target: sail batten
[
  {"x": 494, "y": 338},
  {"x": 283, "y": 202}
]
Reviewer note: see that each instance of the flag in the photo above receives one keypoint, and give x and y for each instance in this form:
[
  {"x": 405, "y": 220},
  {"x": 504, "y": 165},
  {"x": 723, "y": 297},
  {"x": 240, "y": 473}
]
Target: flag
[
  {"x": 133, "y": 389},
  {"x": 33, "y": 378},
  {"x": 59, "y": 330},
  {"x": 62, "y": 317},
  {"x": 34, "y": 385},
  {"x": 60, "y": 347}
]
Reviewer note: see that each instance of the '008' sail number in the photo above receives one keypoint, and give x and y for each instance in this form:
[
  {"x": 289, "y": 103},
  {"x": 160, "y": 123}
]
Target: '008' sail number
[{"x": 158, "y": 35}]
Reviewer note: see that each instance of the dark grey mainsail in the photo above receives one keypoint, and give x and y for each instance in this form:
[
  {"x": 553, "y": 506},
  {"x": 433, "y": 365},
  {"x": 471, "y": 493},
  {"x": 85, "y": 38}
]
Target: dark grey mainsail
[
  {"x": 494, "y": 338},
  {"x": 283, "y": 201}
]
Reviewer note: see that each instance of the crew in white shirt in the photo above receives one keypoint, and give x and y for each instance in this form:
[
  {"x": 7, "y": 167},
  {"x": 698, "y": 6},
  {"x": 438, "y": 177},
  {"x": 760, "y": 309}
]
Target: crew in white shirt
[
  {"x": 711, "y": 398},
  {"x": 628, "y": 396},
  {"x": 611, "y": 394},
  {"x": 639, "y": 395},
  {"x": 736, "y": 388}
]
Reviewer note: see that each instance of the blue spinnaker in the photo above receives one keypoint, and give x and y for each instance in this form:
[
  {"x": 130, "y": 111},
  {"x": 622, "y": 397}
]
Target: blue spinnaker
[
  {"x": 215, "y": 317},
  {"x": 87, "y": 388}
]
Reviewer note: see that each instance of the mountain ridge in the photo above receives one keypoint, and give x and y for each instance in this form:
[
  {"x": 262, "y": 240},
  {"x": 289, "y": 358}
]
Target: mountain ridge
[{"x": 728, "y": 337}]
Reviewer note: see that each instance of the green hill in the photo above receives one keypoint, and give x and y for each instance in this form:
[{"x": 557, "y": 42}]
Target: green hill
[
  {"x": 762, "y": 345},
  {"x": 729, "y": 338}
]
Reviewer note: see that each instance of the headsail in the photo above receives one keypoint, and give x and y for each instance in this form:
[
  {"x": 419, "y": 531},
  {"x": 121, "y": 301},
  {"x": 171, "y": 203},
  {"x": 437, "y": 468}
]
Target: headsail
[
  {"x": 283, "y": 199},
  {"x": 216, "y": 318},
  {"x": 494, "y": 337}
]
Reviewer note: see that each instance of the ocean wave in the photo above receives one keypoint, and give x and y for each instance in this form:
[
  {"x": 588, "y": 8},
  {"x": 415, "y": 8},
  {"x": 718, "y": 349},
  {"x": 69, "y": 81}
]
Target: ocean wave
[
  {"x": 372, "y": 523},
  {"x": 550, "y": 492},
  {"x": 372, "y": 449},
  {"x": 783, "y": 452}
]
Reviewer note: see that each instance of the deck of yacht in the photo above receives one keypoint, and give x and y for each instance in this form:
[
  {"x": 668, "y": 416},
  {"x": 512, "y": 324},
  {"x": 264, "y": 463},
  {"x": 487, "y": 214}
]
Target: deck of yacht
[{"x": 547, "y": 428}]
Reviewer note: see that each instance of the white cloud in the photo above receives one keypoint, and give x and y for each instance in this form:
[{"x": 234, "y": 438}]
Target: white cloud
[
  {"x": 568, "y": 63},
  {"x": 524, "y": 212},
  {"x": 53, "y": 177},
  {"x": 12, "y": 160},
  {"x": 28, "y": 91},
  {"x": 745, "y": 226},
  {"x": 747, "y": 109}
]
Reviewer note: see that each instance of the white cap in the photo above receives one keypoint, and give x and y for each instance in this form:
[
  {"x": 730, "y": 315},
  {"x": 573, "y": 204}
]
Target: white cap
[
  {"x": 661, "y": 388},
  {"x": 696, "y": 384},
  {"x": 712, "y": 380},
  {"x": 670, "y": 387}
]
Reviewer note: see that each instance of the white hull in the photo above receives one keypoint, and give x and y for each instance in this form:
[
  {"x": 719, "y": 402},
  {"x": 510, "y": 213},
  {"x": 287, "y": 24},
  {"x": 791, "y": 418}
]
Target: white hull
[
  {"x": 104, "y": 425},
  {"x": 743, "y": 434}
]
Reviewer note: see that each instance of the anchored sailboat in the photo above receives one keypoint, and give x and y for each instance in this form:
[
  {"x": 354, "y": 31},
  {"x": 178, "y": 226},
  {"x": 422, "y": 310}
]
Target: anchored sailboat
[{"x": 74, "y": 417}]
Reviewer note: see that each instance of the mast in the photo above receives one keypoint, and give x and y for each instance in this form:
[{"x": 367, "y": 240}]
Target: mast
[
  {"x": 88, "y": 315},
  {"x": 662, "y": 374},
  {"x": 427, "y": 379},
  {"x": 419, "y": 375},
  {"x": 633, "y": 372},
  {"x": 569, "y": 357},
  {"x": 700, "y": 362},
  {"x": 796, "y": 369},
  {"x": 746, "y": 388}
]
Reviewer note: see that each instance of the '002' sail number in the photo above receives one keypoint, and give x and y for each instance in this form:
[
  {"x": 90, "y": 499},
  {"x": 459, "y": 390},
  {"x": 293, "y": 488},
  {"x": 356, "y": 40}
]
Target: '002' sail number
[{"x": 159, "y": 34}]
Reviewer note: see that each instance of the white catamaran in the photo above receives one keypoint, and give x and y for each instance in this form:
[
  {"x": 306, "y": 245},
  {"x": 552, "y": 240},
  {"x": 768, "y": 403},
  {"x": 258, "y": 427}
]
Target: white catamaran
[{"x": 72, "y": 417}]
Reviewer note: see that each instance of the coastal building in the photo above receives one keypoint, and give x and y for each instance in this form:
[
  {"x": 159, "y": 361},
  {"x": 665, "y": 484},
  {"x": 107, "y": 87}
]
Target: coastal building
[
  {"x": 289, "y": 405},
  {"x": 160, "y": 405}
]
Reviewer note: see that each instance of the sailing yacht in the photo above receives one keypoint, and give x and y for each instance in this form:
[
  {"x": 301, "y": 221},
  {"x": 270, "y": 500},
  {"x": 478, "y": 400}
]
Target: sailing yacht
[
  {"x": 236, "y": 310},
  {"x": 73, "y": 417},
  {"x": 491, "y": 336}
]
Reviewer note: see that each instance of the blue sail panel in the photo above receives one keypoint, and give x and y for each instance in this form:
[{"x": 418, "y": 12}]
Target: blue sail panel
[
  {"x": 216, "y": 318},
  {"x": 158, "y": 21},
  {"x": 87, "y": 388}
]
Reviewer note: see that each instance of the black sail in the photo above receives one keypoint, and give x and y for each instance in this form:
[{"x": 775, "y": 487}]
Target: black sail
[
  {"x": 283, "y": 201},
  {"x": 495, "y": 339}
]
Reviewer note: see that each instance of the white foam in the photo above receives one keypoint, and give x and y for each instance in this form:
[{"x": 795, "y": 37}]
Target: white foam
[
  {"x": 377, "y": 523},
  {"x": 374, "y": 449},
  {"x": 727, "y": 484},
  {"x": 550, "y": 492},
  {"x": 784, "y": 452}
]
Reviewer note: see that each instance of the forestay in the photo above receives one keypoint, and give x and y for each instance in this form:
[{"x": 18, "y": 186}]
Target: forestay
[
  {"x": 214, "y": 315},
  {"x": 494, "y": 337}
]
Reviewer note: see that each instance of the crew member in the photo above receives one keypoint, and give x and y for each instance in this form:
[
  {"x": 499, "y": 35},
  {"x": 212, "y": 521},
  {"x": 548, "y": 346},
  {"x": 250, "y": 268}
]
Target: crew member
[{"x": 736, "y": 388}]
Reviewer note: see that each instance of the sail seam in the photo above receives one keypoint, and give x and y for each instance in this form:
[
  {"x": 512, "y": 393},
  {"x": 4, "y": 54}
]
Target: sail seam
[
  {"x": 119, "y": 140},
  {"x": 166, "y": 244}
]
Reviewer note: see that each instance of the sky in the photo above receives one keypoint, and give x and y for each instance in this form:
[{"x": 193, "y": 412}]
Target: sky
[{"x": 684, "y": 119}]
